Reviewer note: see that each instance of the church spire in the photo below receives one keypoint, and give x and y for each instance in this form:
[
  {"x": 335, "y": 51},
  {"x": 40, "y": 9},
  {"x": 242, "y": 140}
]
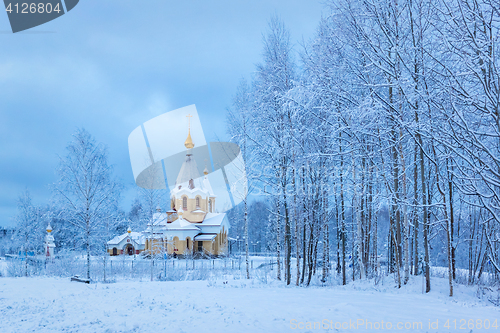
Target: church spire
[
  {"x": 189, "y": 142},
  {"x": 189, "y": 170},
  {"x": 205, "y": 172}
]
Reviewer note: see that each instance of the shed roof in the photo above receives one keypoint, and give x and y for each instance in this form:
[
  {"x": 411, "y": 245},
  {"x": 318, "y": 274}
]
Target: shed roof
[
  {"x": 205, "y": 237},
  {"x": 137, "y": 237}
]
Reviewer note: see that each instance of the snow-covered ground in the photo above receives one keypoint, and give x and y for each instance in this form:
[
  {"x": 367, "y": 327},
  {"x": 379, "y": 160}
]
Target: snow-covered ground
[{"x": 42, "y": 304}]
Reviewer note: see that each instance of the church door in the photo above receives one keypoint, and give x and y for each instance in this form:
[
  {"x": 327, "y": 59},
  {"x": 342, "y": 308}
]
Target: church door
[
  {"x": 115, "y": 251},
  {"x": 130, "y": 250}
]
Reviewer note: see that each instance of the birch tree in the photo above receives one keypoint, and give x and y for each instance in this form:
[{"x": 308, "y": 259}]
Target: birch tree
[{"x": 87, "y": 191}]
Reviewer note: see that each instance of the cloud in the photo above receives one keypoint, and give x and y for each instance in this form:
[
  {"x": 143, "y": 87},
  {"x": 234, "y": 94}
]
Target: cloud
[{"x": 111, "y": 65}]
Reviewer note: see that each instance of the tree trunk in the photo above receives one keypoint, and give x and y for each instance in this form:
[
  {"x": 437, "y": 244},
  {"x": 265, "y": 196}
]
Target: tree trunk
[
  {"x": 304, "y": 249},
  {"x": 288, "y": 235},
  {"x": 359, "y": 238},
  {"x": 405, "y": 212},
  {"x": 342, "y": 211},
  {"x": 326, "y": 232},
  {"x": 296, "y": 223},
  {"x": 88, "y": 254},
  {"x": 425, "y": 221},
  {"x": 278, "y": 244},
  {"x": 304, "y": 225},
  {"x": 246, "y": 235},
  {"x": 415, "y": 215},
  {"x": 310, "y": 253},
  {"x": 26, "y": 260},
  {"x": 452, "y": 220}
]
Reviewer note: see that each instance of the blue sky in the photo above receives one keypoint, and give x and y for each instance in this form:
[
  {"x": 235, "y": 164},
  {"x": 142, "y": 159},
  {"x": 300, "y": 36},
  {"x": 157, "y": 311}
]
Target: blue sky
[{"x": 110, "y": 65}]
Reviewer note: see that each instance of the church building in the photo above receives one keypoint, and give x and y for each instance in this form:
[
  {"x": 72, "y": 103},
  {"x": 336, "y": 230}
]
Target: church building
[{"x": 191, "y": 226}]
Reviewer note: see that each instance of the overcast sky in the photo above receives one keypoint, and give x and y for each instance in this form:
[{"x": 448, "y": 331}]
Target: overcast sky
[{"x": 110, "y": 65}]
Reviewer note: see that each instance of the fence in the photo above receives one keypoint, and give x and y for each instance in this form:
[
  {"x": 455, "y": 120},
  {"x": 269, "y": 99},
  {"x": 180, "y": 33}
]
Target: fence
[
  {"x": 109, "y": 269},
  {"x": 125, "y": 267}
]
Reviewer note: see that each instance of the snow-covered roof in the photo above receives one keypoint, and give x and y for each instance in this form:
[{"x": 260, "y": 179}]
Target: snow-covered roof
[
  {"x": 189, "y": 180},
  {"x": 192, "y": 188},
  {"x": 189, "y": 170},
  {"x": 213, "y": 219},
  {"x": 160, "y": 219},
  {"x": 208, "y": 187},
  {"x": 182, "y": 224},
  {"x": 205, "y": 237},
  {"x": 137, "y": 237}
]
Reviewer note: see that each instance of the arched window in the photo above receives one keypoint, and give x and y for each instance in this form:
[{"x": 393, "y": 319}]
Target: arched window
[
  {"x": 187, "y": 243},
  {"x": 184, "y": 203},
  {"x": 115, "y": 251},
  {"x": 210, "y": 205},
  {"x": 197, "y": 202},
  {"x": 176, "y": 243}
]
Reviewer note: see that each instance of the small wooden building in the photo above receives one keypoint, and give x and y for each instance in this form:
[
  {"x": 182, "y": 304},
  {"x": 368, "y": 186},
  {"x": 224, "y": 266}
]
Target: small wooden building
[{"x": 130, "y": 243}]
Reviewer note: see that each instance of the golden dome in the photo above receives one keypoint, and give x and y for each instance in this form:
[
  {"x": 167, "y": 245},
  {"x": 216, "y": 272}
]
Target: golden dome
[{"x": 189, "y": 142}]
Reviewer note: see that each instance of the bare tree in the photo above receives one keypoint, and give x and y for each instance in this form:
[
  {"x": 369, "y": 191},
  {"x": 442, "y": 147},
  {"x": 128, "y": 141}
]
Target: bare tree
[
  {"x": 238, "y": 125},
  {"x": 29, "y": 227},
  {"x": 86, "y": 190}
]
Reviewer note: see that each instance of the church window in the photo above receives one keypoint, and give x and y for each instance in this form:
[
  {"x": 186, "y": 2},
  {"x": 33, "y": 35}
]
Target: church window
[
  {"x": 210, "y": 205},
  {"x": 187, "y": 243},
  {"x": 184, "y": 203},
  {"x": 176, "y": 243},
  {"x": 197, "y": 202},
  {"x": 115, "y": 251}
]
